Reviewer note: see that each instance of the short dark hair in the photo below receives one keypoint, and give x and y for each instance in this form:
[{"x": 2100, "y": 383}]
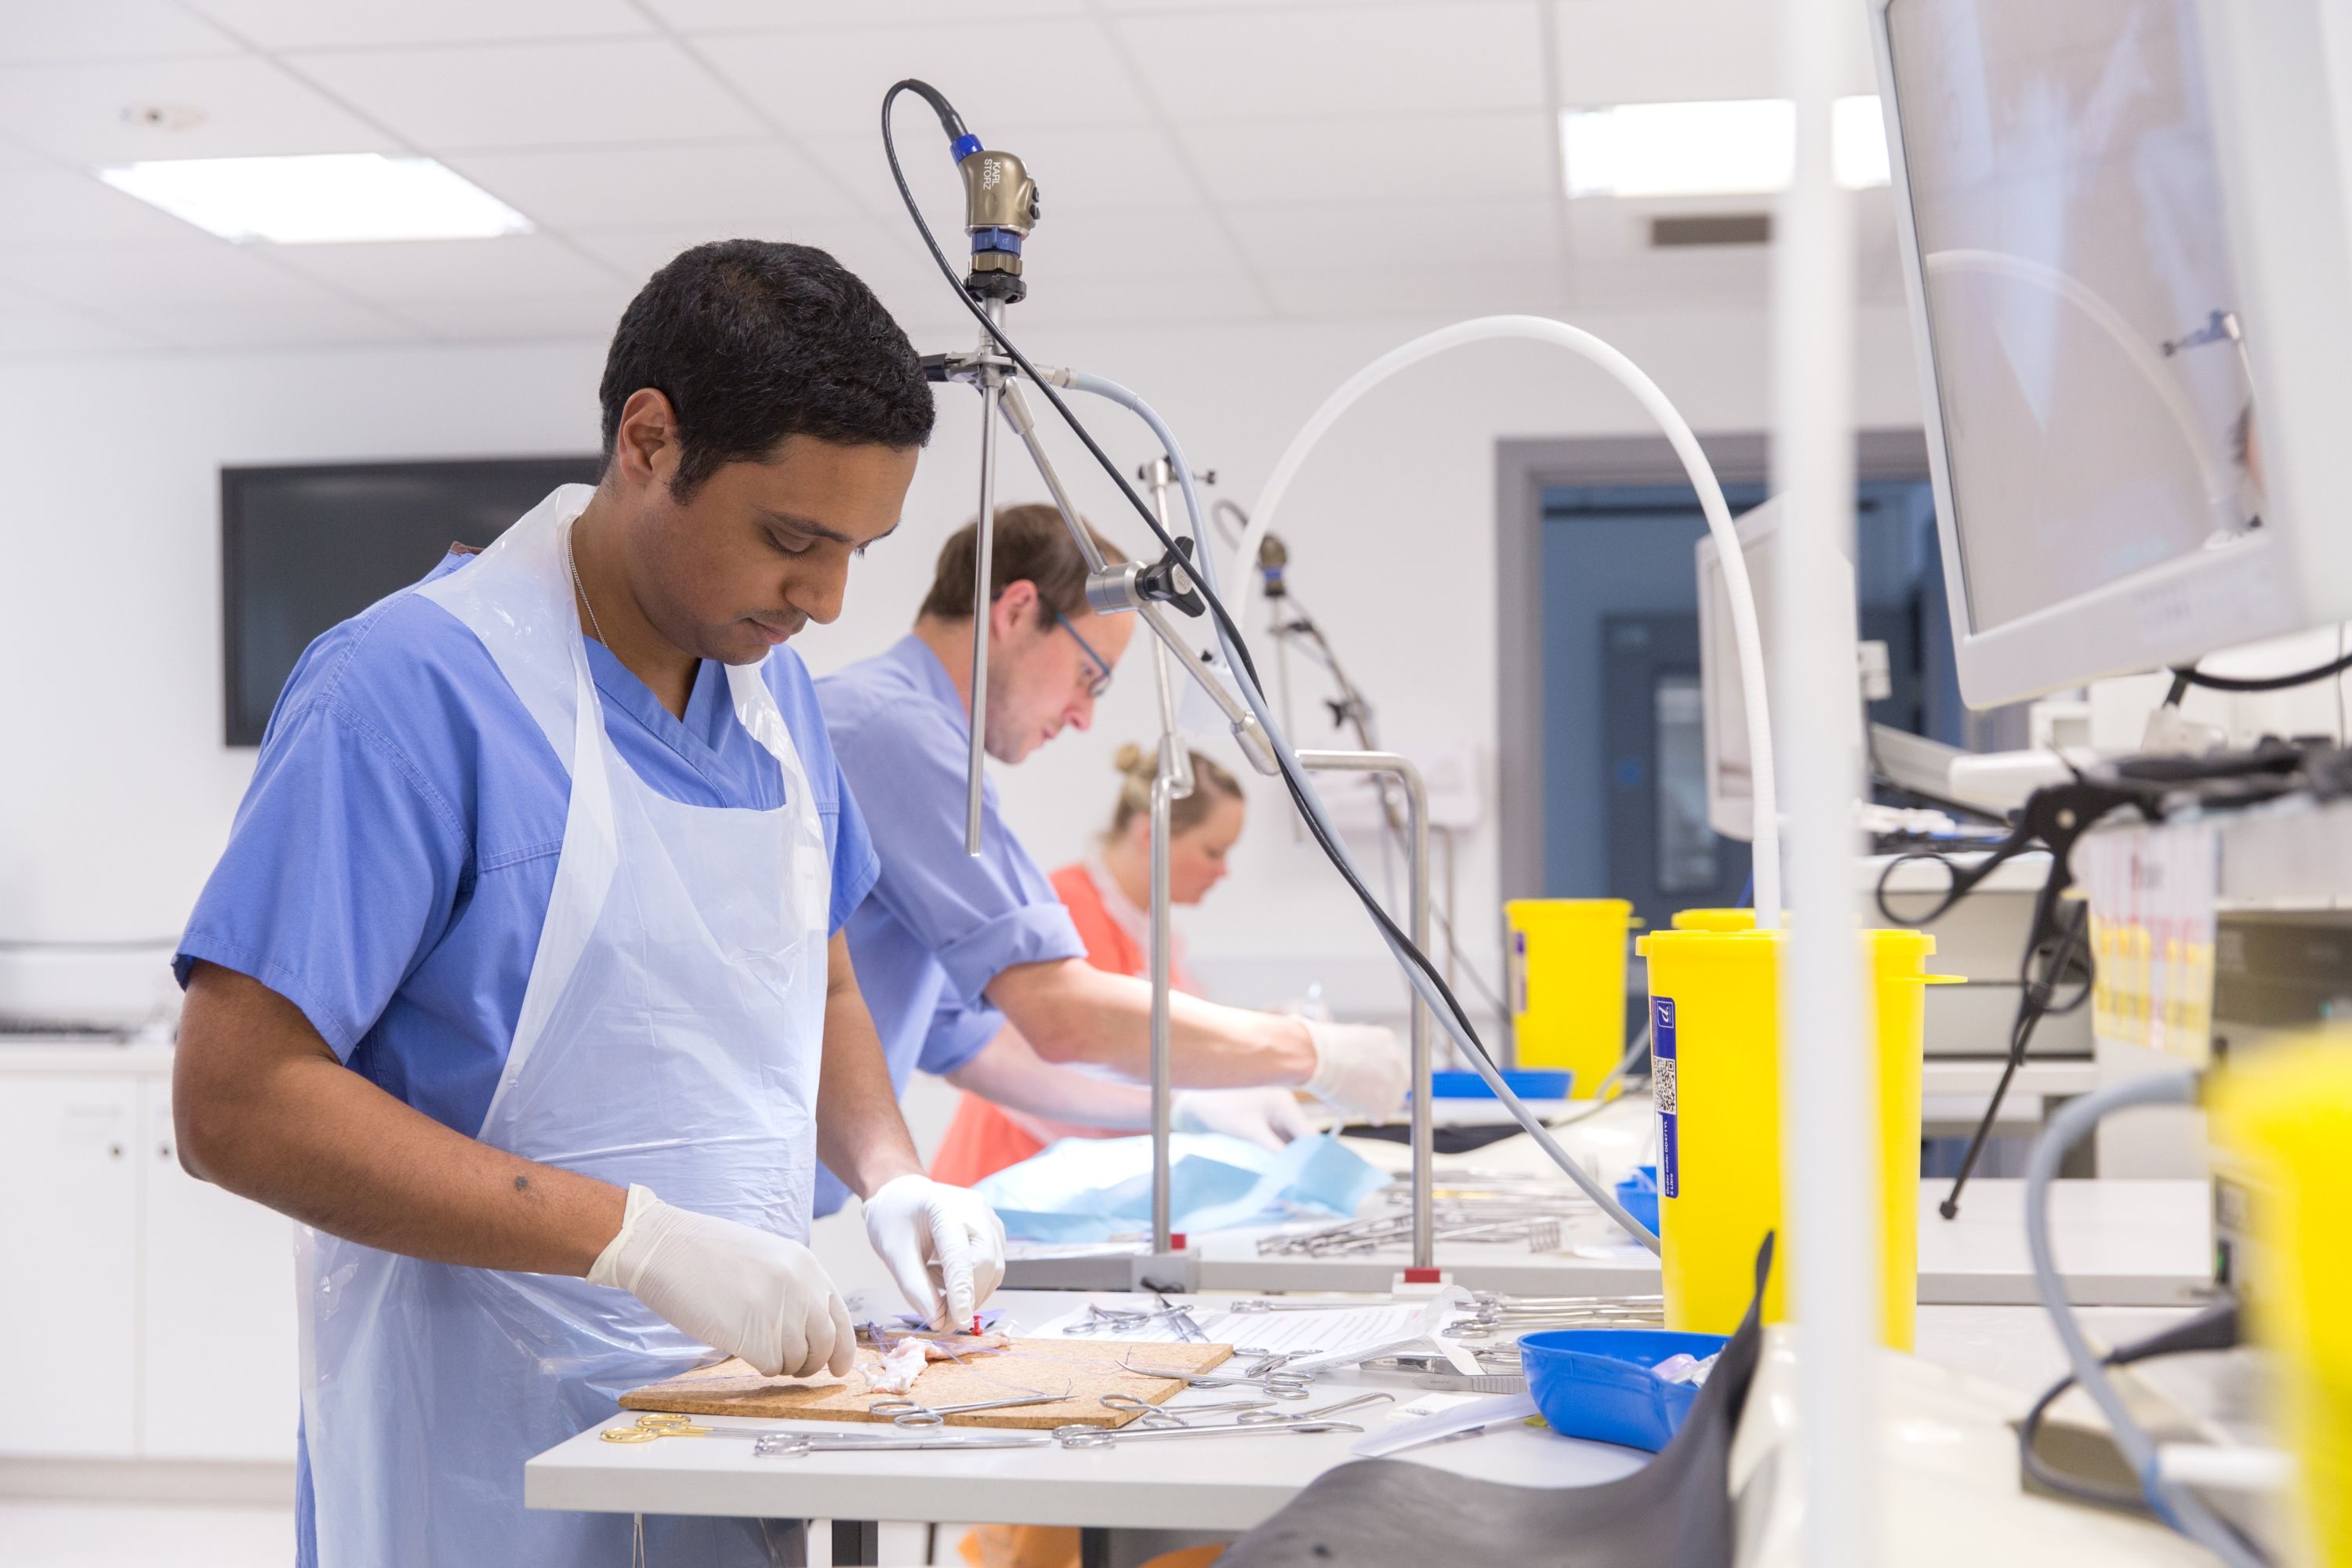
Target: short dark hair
[
  {"x": 752, "y": 341},
  {"x": 1032, "y": 546}
]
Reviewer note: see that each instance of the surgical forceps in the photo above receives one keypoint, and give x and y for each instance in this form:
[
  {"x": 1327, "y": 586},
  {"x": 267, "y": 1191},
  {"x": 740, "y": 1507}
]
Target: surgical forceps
[
  {"x": 913, "y": 1413},
  {"x": 1277, "y": 1384}
]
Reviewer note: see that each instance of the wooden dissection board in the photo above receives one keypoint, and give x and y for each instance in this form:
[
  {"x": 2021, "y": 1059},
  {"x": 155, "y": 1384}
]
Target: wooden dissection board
[{"x": 1087, "y": 1368}]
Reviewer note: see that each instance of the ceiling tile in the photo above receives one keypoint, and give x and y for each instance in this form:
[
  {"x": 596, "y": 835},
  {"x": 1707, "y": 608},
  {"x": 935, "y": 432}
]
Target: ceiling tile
[
  {"x": 576, "y": 93},
  {"x": 1294, "y": 237},
  {"x": 310, "y": 24},
  {"x": 248, "y": 106},
  {"x": 892, "y": 265},
  {"x": 1333, "y": 160},
  {"x": 202, "y": 294},
  {"x": 30, "y": 326},
  {"x": 1675, "y": 51},
  {"x": 1097, "y": 168},
  {"x": 1001, "y": 76},
  {"x": 1717, "y": 275},
  {"x": 1138, "y": 302},
  {"x": 104, "y": 30},
  {"x": 710, "y": 183},
  {"x": 57, "y": 206},
  {"x": 1460, "y": 290},
  {"x": 1172, "y": 241},
  {"x": 395, "y": 273},
  {"x": 588, "y": 313},
  {"x": 731, "y": 16},
  {"x": 1401, "y": 60}
]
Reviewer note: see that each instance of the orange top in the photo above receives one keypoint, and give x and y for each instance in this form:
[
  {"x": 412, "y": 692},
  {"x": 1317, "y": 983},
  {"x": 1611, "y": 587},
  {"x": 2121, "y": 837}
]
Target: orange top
[{"x": 984, "y": 1138}]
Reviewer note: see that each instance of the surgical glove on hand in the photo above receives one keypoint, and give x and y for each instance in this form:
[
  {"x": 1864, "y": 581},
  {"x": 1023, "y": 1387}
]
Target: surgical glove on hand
[
  {"x": 740, "y": 1290},
  {"x": 1359, "y": 1067},
  {"x": 943, "y": 1245},
  {"x": 1267, "y": 1117}
]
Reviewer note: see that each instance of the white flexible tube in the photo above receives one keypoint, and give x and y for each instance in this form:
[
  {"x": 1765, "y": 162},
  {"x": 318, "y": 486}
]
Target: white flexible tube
[
  {"x": 1312, "y": 803},
  {"x": 1745, "y": 633}
]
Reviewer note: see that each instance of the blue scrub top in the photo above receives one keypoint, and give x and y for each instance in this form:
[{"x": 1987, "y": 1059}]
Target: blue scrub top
[
  {"x": 391, "y": 865},
  {"x": 392, "y": 862},
  {"x": 941, "y": 923}
]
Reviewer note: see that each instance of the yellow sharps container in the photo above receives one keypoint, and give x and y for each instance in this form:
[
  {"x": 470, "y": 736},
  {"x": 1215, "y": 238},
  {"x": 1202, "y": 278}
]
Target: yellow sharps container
[
  {"x": 2284, "y": 1120},
  {"x": 1714, "y": 920},
  {"x": 1715, "y": 1030},
  {"x": 1567, "y": 986}
]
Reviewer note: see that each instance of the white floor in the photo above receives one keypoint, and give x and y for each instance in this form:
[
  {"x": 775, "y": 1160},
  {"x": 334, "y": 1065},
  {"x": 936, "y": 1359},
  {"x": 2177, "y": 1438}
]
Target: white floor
[
  {"x": 137, "y": 1535},
  {"x": 121, "y": 1535}
]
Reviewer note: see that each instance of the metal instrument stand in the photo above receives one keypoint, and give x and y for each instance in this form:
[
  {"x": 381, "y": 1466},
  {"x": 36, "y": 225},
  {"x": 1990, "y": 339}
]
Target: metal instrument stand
[
  {"x": 1173, "y": 781},
  {"x": 1401, "y": 768}
]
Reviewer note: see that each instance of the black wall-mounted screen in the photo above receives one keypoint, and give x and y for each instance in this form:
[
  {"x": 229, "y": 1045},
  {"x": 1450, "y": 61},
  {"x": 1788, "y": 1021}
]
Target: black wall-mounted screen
[{"x": 303, "y": 548}]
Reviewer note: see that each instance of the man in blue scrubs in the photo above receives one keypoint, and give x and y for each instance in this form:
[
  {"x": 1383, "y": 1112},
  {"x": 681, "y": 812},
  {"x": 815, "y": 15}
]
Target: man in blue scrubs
[
  {"x": 521, "y": 982},
  {"x": 952, "y": 946}
]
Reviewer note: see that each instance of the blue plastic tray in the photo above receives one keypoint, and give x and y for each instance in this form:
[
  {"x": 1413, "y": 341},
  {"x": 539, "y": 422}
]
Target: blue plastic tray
[
  {"x": 1528, "y": 1083},
  {"x": 1597, "y": 1384}
]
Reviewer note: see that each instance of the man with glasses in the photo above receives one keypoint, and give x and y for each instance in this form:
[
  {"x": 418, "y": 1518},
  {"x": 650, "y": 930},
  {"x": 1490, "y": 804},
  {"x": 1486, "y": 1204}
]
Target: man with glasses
[{"x": 970, "y": 963}]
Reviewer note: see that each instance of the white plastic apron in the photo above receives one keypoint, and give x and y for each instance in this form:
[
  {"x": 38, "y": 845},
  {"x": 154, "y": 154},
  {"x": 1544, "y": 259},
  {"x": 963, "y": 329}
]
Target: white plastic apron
[{"x": 670, "y": 1035}]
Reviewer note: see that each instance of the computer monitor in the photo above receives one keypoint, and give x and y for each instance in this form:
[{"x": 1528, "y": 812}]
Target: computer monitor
[
  {"x": 2129, "y": 368},
  {"x": 1722, "y": 714}
]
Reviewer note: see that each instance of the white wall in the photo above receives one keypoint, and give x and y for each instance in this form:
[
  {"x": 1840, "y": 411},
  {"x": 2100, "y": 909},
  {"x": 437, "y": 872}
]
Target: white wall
[{"x": 117, "y": 793}]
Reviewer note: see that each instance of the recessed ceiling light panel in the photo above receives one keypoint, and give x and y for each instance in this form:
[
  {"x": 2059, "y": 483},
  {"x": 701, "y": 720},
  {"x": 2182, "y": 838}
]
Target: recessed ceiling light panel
[
  {"x": 1733, "y": 147},
  {"x": 320, "y": 198}
]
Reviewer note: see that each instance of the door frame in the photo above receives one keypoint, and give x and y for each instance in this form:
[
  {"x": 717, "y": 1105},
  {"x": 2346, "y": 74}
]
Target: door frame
[{"x": 1524, "y": 469}]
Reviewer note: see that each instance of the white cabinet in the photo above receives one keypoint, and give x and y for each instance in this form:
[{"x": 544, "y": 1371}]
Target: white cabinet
[
  {"x": 218, "y": 1348},
  {"x": 143, "y": 1314},
  {"x": 68, "y": 1256}
]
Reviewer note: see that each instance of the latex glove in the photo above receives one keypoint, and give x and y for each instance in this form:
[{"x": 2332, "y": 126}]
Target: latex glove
[
  {"x": 943, "y": 1245},
  {"x": 1268, "y": 1117},
  {"x": 742, "y": 1291},
  {"x": 1359, "y": 1067}
]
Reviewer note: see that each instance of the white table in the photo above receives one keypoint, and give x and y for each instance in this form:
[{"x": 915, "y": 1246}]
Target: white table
[
  {"x": 1221, "y": 1485},
  {"x": 2119, "y": 1244},
  {"x": 1218, "y": 1484}
]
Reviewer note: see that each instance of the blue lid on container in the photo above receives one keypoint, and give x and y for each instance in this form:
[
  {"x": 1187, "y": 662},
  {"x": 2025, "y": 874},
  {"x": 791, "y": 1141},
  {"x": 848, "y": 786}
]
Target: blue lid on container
[{"x": 1528, "y": 1083}]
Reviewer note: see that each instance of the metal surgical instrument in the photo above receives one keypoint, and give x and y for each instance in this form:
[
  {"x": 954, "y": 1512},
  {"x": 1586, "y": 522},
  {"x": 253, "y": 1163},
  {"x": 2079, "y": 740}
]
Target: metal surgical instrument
[
  {"x": 913, "y": 1413},
  {"x": 1268, "y": 1417},
  {"x": 1149, "y": 1414},
  {"x": 1101, "y": 1319},
  {"x": 793, "y": 1444},
  {"x": 1280, "y": 1385},
  {"x": 1096, "y": 1438},
  {"x": 650, "y": 1429}
]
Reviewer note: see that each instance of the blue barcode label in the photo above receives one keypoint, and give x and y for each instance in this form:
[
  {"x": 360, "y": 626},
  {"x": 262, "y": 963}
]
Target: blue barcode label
[{"x": 1662, "y": 1084}]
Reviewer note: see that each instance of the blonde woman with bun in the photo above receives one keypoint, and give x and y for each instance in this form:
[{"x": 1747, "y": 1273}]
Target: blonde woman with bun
[{"x": 1109, "y": 896}]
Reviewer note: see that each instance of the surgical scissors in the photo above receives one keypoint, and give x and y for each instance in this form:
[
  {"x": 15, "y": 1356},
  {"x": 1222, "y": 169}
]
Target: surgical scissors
[
  {"x": 1277, "y": 1384},
  {"x": 653, "y": 1427},
  {"x": 1149, "y": 1414},
  {"x": 793, "y": 1444},
  {"x": 913, "y": 1413},
  {"x": 1101, "y": 1319},
  {"x": 1097, "y": 1437},
  {"x": 1320, "y": 1413}
]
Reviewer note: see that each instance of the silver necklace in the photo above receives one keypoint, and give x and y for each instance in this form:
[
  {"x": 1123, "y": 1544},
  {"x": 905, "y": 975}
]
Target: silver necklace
[{"x": 571, "y": 559}]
